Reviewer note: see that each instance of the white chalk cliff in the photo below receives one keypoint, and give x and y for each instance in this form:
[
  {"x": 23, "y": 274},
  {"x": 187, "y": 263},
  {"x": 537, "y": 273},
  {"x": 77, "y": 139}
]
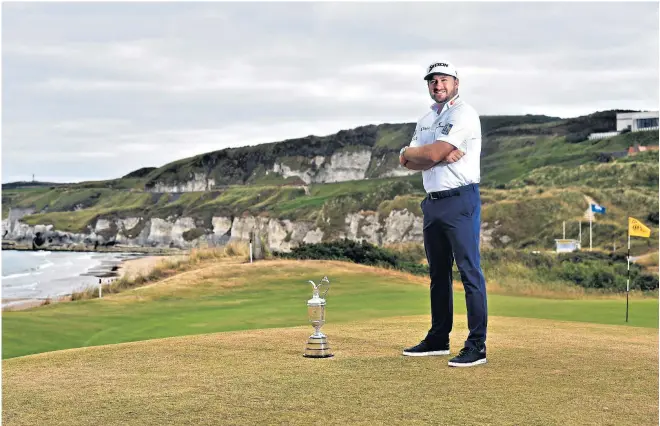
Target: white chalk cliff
[{"x": 277, "y": 235}]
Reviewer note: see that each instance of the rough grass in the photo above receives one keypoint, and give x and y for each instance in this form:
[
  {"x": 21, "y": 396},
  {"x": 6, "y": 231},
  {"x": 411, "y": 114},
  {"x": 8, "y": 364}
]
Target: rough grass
[
  {"x": 120, "y": 183},
  {"x": 510, "y": 157},
  {"x": 624, "y": 172},
  {"x": 540, "y": 372},
  {"x": 236, "y": 250},
  {"x": 37, "y": 198},
  {"x": 649, "y": 262},
  {"x": 76, "y": 221},
  {"x": 393, "y": 138},
  {"x": 544, "y": 210},
  {"x": 401, "y": 202},
  {"x": 60, "y": 203}
]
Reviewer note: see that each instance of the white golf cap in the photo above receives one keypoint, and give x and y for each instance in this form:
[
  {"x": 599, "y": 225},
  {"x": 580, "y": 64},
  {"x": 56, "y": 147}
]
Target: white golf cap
[{"x": 440, "y": 68}]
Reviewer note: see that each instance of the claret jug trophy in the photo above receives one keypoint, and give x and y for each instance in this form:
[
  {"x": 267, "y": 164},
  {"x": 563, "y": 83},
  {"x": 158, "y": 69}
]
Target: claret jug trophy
[{"x": 317, "y": 344}]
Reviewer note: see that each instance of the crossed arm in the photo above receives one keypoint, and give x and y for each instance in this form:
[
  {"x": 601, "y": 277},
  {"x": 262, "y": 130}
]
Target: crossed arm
[{"x": 427, "y": 156}]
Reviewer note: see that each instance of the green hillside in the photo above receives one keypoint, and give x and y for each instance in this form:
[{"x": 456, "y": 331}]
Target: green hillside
[
  {"x": 517, "y": 156},
  {"x": 248, "y": 164},
  {"x": 537, "y": 172}
]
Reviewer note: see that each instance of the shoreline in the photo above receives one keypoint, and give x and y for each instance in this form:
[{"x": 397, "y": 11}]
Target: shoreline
[
  {"x": 166, "y": 251},
  {"x": 106, "y": 271}
]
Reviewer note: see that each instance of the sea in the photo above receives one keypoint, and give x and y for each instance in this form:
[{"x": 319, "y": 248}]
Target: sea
[{"x": 49, "y": 274}]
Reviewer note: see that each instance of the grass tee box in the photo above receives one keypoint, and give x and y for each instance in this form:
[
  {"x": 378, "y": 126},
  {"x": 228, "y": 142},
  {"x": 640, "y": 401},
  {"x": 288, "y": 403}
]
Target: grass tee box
[
  {"x": 225, "y": 296},
  {"x": 540, "y": 372}
]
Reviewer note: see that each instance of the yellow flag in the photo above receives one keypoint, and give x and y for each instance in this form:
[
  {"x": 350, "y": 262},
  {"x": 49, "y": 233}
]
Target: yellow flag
[{"x": 637, "y": 228}]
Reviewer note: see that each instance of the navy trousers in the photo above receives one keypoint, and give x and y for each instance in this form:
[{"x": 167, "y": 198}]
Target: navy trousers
[{"x": 452, "y": 222}]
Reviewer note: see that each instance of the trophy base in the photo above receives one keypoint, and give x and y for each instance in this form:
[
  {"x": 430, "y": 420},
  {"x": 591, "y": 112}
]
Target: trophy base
[{"x": 317, "y": 347}]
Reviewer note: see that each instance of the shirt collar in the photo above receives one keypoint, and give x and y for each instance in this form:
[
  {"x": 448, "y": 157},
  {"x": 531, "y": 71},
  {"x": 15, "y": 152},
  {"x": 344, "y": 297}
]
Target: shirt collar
[{"x": 447, "y": 105}]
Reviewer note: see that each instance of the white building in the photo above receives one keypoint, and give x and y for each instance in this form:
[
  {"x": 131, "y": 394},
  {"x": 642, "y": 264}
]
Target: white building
[
  {"x": 567, "y": 246},
  {"x": 637, "y": 121}
]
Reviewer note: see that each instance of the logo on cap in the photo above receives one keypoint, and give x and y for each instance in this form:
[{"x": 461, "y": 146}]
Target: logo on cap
[{"x": 437, "y": 64}]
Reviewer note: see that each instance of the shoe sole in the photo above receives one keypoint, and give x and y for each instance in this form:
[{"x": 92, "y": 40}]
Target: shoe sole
[
  {"x": 468, "y": 364},
  {"x": 432, "y": 353}
]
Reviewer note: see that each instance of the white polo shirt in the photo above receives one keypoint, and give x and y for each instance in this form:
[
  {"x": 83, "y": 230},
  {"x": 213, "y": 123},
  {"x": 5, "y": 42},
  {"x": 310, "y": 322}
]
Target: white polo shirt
[{"x": 458, "y": 124}]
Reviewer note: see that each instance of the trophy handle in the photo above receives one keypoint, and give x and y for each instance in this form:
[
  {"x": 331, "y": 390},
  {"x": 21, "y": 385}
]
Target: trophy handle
[
  {"x": 316, "y": 288},
  {"x": 325, "y": 281}
]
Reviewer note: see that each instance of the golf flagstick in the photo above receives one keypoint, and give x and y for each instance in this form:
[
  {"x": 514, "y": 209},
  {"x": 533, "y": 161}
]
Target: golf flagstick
[{"x": 628, "y": 283}]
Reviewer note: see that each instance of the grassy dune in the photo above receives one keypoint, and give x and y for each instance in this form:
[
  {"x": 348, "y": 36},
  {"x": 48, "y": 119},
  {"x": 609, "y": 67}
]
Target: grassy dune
[
  {"x": 540, "y": 372},
  {"x": 226, "y": 295},
  {"x": 508, "y": 157},
  {"x": 598, "y": 175}
]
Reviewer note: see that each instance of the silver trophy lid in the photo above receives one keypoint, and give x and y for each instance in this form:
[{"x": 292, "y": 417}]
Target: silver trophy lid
[{"x": 316, "y": 299}]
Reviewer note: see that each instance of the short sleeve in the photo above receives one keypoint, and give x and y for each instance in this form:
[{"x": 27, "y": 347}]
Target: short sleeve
[
  {"x": 415, "y": 136},
  {"x": 456, "y": 131}
]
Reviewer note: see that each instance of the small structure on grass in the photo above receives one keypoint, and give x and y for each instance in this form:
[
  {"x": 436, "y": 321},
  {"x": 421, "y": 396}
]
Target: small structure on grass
[{"x": 567, "y": 245}]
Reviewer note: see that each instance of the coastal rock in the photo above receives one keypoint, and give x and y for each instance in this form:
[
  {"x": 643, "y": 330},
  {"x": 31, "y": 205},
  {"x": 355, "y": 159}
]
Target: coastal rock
[
  {"x": 403, "y": 226},
  {"x": 399, "y": 171},
  {"x": 160, "y": 232},
  {"x": 13, "y": 229},
  {"x": 221, "y": 226},
  {"x": 277, "y": 235},
  {"x": 313, "y": 237},
  {"x": 487, "y": 235},
  {"x": 199, "y": 182},
  {"x": 242, "y": 227},
  {"x": 221, "y": 231},
  {"x": 345, "y": 166},
  {"x": 102, "y": 225},
  {"x": 128, "y": 229},
  {"x": 180, "y": 226},
  {"x": 128, "y": 224},
  {"x": 287, "y": 172},
  {"x": 342, "y": 166},
  {"x": 364, "y": 226}
]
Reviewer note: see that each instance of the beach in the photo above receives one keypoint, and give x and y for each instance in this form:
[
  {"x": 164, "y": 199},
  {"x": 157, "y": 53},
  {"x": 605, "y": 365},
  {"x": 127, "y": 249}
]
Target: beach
[{"x": 34, "y": 278}]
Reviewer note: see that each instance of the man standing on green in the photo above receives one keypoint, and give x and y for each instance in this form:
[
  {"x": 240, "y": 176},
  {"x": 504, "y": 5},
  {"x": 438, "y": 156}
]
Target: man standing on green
[{"x": 446, "y": 146}]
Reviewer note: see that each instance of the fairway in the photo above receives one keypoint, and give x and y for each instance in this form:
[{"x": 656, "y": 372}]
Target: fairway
[
  {"x": 229, "y": 296},
  {"x": 540, "y": 372}
]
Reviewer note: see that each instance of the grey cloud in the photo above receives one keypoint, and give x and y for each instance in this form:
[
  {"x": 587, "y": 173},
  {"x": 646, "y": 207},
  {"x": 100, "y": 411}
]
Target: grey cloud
[{"x": 161, "y": 80}]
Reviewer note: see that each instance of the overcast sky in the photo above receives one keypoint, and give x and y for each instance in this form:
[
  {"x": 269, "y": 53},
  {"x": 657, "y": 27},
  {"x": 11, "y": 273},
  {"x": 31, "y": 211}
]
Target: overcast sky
[{"x": 96, "y": 90}]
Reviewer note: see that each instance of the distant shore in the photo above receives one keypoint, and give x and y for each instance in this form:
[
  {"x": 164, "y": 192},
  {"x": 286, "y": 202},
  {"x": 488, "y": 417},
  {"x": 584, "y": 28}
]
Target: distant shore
[
  {"x": 10, "y": 245},
  {"x": 139, "y": 264}
]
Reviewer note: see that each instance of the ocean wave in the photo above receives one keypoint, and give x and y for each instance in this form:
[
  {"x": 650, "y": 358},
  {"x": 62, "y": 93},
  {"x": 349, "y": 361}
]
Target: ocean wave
[
  {"x": 28, "y": 285},
  {"x": 10, "y": 291},
  {"x": 41, "y": 253},
  {"x": 9, "y": 277},
  {"x": 45, "y": 265}
]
